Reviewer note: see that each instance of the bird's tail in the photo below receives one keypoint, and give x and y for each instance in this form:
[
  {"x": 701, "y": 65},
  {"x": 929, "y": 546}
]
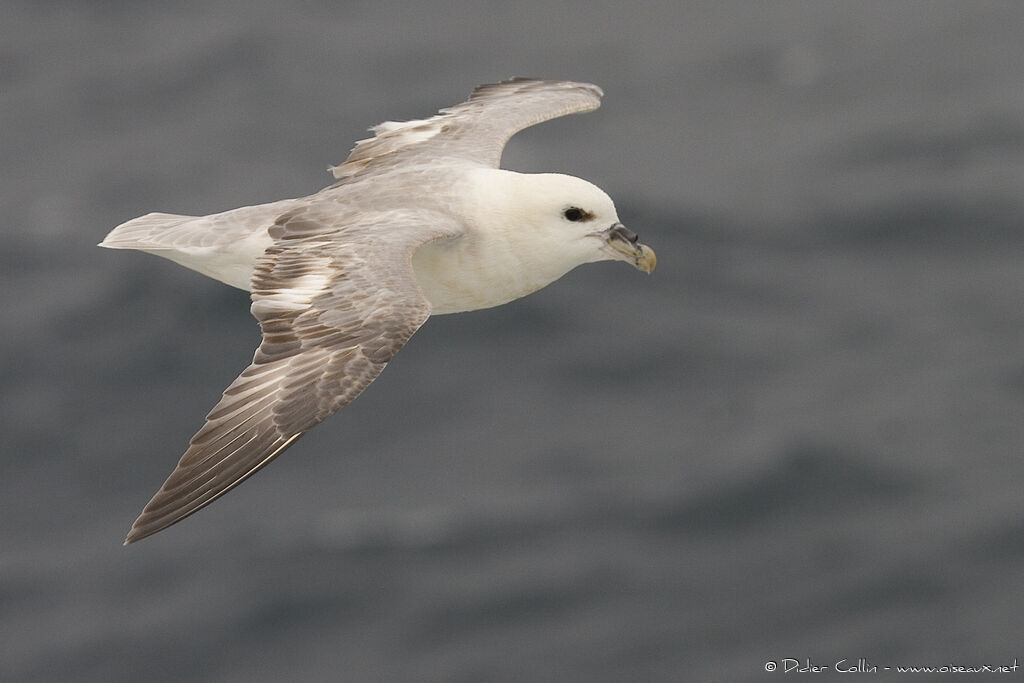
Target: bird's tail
[{"x": 152, "y": 231}]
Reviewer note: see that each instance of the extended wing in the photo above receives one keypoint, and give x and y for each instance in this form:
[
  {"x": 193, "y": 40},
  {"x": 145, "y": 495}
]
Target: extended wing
[
  {"x": 334, "y": 309},
  {"x": 475, "y": 130}
]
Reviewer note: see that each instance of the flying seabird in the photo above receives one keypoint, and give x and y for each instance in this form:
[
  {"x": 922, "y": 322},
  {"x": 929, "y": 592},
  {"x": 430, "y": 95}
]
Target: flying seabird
[{"x": 421, "y": 220}]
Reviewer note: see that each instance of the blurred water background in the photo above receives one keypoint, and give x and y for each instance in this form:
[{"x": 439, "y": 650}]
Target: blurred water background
[{"x": 801, "y": 437}]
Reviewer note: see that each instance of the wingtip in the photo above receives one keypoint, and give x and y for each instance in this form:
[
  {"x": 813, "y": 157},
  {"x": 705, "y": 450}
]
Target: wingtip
[
  {"x": 144, "y": 528},
  {"x": 137, "y": 532}
]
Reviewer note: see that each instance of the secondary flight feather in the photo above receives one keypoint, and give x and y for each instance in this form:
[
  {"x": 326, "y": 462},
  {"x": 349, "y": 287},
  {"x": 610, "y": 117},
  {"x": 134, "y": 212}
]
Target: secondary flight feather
[{"x": 421, "y": 220}]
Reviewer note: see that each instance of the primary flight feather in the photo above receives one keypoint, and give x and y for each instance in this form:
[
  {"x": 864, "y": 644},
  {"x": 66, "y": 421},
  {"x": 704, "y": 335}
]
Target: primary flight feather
[{"x": 420, "y": 221}]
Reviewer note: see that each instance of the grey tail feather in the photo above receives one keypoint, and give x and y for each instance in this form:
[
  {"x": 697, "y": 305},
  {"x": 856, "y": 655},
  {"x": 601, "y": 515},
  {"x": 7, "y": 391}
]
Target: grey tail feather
[{"x": 143, "y": 232}]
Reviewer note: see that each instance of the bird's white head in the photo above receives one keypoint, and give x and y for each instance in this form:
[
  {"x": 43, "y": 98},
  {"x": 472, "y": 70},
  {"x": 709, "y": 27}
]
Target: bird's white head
[
  {"x": 571, "y": 220},
  {"x": 524, "y": 231}
]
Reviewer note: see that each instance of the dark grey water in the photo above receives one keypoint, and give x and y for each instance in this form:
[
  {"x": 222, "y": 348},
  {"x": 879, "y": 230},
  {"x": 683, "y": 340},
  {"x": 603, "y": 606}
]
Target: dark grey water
[{"x": 800, "y": 438}]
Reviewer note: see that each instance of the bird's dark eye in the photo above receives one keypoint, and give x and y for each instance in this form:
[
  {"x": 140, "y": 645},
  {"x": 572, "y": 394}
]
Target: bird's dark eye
[{"x": 574, "y": 214}]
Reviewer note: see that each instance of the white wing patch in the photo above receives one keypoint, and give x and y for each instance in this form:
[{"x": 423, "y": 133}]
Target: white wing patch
[
  {"x": 299, "y": 294},
  {"x": 390, "y": 136},
  {"x": 415, "y": 131}
]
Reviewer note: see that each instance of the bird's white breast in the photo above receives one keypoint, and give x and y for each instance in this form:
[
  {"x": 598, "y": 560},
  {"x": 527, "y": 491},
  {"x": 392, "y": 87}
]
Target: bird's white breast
[
  {"x": 504, "y": 253},
  {"x": 469, "y": 273}
]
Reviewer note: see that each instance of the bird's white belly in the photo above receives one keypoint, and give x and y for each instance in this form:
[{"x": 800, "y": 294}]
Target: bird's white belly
[{"x": 470, "y": 274}]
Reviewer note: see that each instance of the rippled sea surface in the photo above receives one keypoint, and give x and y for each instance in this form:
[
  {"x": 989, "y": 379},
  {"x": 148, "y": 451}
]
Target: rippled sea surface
[{"x": 800, "y": 439}]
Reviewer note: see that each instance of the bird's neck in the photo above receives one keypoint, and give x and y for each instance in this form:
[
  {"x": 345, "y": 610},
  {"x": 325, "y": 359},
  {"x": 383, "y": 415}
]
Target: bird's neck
[{"x": 500, "y": 257}]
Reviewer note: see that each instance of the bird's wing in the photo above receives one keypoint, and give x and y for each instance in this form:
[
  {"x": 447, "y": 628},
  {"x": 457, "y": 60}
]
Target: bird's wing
[
  {"x": 475, "y": 130},
  {"x": 335, "y": 303}
]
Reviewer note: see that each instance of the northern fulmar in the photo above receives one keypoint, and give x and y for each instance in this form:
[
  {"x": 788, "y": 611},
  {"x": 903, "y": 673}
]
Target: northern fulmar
[{"x": 420, "y": 220}]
